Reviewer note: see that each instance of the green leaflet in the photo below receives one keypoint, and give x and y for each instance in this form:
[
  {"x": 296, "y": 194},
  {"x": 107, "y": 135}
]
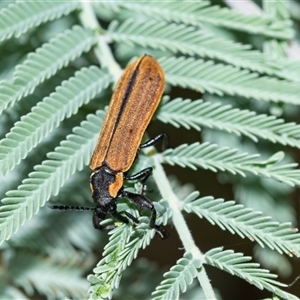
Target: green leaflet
[
  {"x": 211, "y": 157},
  {"x": 198, "y": 114},
  {"x": 178, "y": 278},
  {"x": 197, "y": 41},
  {"x": 245, "y": 222},
  {"x": 207, "y": 76},
  {"x": 48, "y": 114},
  {"x": 119, "y": 253},
  {"x": 237, "y": 264},
  {"x": 18, "y": 17},
  {"x": 198, "y": 13},
  {"x": 73, "y": 154},
  {"x": 44, "y": 63}
]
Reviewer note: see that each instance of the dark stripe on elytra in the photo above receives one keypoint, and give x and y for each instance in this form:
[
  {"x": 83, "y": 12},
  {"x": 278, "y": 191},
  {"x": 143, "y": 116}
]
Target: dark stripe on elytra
[{"x": 127, "y": 95}]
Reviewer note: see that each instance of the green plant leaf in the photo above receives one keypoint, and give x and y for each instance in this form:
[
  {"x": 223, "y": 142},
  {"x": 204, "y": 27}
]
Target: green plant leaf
[
  {"x": 198, "y": 13},
  {"x": 18, "y": 17},
  {"x": 245, "y": 222},
  {"x": 237, "y": 264},
  {"x": 48, "y": 114},
  {"x": 196, "y": 114},
  {"x": 209, "y": 156},
  {"x": 193, "y": 41},
  {"x": 206, "y": 76},
  {"x": 45, "y": 62},
  {"x": 73, "y": 154},
  {"x": 178, "y": 278},
  {"x": 118, "y": 254},
  {"x": 51, "y": 278}
]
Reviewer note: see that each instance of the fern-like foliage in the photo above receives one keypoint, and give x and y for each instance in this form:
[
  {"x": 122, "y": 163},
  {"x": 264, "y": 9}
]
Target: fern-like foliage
[
  {"x": 46, "y": 180},
  {"x": 118, "y": 254},
  {"x": 68, "y": 233},
  {"x": 45, "y": 259},
  {"x": 178, "y": 278},
  {"x": 102, "y": 286},
  {"x": 18, "y": 17},
  {"x": 45, "y": 43},
  {"x": 201, "y": 12},
  {"x": 211, "y": 157},
  {"x": 45, "y": 62},
  {"x": 10, "y": 93},
  {"x": 189, "y": 40},
  {"x": 196, "y": 114},
  {"x": 220, "y": 79},
  {"x": 54, "y": 55},
  {"x": 237, "y": 264},
  {"x": 50, "y": 278},
  {"x": 48, "y": 114},
  {"x": 245, "y": 222},
  {"x": 9, "y": 292}
]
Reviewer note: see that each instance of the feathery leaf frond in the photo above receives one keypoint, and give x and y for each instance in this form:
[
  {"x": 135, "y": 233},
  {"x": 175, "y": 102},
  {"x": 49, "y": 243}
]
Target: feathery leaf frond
[
  {"x": 69, "y": 232},
  {"x": 18, "y": 17},
  {"x": 73, "y": 154},
  {"x": 118, "y": 255},
  {"x": 228, "y": 67},
  {"x": 10, "y": 93},
  {"x": 178, "y": 278},
  {"x": 10, "y": 292},
  {"x": 237, "y": 264},
  {"x": 54, "y": 279},
  {"x": 48, "y": 114},
  {"x": 45, "y": 62},
  {"x": 196, "y": 113},
  {"x": 290, "y": 69},
  {"x": 192, "y": 41},
  {"x": 201, "y": 12},
  {"x": 106, "y": 278},
  {"x": 245, "y": 222},
  {"x": 52, "y": 56},
  {"x": 209, "y": 156},
  {"x": 222, "y": 79}
]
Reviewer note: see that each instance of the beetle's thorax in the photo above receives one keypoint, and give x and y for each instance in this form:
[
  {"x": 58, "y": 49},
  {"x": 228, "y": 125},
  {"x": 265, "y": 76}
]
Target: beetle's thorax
[{"x": 105, "y": 185}]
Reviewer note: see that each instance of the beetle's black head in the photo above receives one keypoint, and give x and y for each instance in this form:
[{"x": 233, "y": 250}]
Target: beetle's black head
[{"x": 105, "y": 186}]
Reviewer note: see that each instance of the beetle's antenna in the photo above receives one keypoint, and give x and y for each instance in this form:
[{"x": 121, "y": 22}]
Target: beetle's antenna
[{"x": 69, "y": 207}]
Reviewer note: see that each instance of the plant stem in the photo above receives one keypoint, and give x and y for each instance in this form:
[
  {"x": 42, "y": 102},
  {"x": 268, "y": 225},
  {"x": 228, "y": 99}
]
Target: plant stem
[
  {"x": 185, "y": 236},
  {"x": 102, "y": 50}
]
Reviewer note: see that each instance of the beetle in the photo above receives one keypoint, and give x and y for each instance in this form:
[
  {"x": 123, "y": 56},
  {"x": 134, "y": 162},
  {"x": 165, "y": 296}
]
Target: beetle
[{"x": 133, "y": 103}]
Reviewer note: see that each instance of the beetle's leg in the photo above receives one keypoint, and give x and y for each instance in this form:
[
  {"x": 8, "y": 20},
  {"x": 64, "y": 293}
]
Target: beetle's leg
[
  {"x": 98, "y": 217},
  {"x": 155, "y": 140},
  {"x": 144, "y": 203},
  {"x": 130, "y": 216},
  {"x": 100, "y": 213},
  {"x": 143, "y": 175},
  {"x": 119, "y": 217}
]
